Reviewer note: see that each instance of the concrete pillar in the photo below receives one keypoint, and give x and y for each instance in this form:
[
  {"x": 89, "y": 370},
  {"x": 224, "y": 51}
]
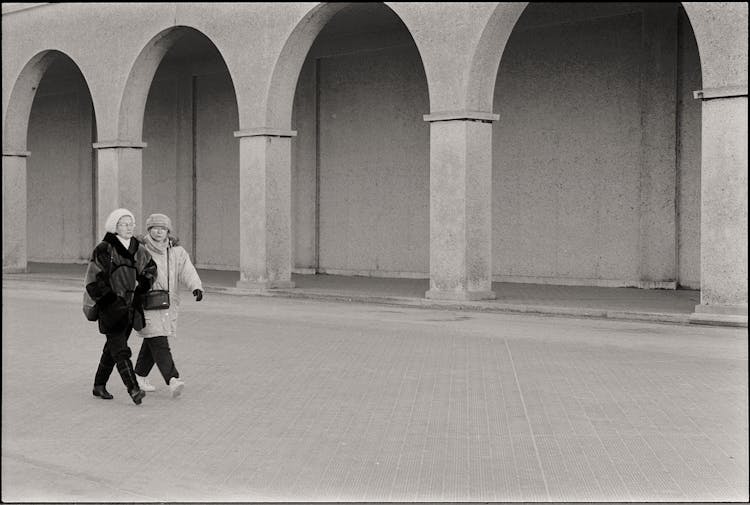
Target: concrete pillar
[
  {"x": 658, "y": 99},
  {"x": 460, "y": 205},
  {"x": 723, "y": 205},
  {"x": 265, "y": 208},
  {"x": 119, "y": 181},
  {"x": 14, "y": 211}
]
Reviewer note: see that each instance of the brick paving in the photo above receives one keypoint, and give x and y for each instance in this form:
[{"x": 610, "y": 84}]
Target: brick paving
[{"x": 308, "y": 400}]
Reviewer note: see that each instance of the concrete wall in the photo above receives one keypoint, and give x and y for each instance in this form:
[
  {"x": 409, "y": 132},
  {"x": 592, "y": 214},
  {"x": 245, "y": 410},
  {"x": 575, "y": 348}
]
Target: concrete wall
[
  {"x": 566, "y": 158},
  {"x": 59, "y": 173},
  {"x": 570, "y": 160},
  {"x": 374, "y": 191},
  {"x": 372, "y": 158},
  {"x": 304, "y": 171},
  {"x": 689, "y": 158},
  {"x": 566, "y": 153},
  {"x": 217, "y": 161},
  {"x": 168, "y": 159},
  {"x": 161, "y": 170}
]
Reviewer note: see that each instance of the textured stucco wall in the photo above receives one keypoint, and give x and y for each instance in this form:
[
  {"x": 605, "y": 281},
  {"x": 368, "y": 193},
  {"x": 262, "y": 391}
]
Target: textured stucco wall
[
  {"x": 14, "y": 214},
  {"x": 586, "y": 146},
  {"x": 566, "y": 153},
  {"x": 570, "y": 115},
  {"x": 568, "y": 129},
  {"x": 168, "y": 161},
  {"x": 721, "y": 31},
  {"x": 161, "y": 171},
  {"x": 59, "y": 174},
  {"x": 374, "y": 194},
  {"x": 217, "y": 159},
  {"x": 689, "y": 159},
  {"x": 724, "y": 187},
  {"x": 304, "y": 177}
]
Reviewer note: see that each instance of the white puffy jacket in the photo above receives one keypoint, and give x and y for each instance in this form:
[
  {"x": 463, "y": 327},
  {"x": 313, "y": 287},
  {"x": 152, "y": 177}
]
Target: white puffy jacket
[{"x": 181, "y": 273}]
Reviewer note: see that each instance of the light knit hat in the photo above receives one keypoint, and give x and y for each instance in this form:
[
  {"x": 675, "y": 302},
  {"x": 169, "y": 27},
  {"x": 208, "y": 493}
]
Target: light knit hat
[
  {"x": 158, "y": 220},
  {"x": 111, "y": 223}
]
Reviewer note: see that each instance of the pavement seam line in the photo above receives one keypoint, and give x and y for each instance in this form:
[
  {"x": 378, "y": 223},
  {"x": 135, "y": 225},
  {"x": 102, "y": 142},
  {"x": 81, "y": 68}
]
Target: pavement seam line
[
  {"x": 58, "y": 469},
  {"x": 526, "y": 415}
]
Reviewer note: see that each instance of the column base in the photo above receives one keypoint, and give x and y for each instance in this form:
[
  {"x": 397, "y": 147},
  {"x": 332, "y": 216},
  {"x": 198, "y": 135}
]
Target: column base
[
  {"x": 15, "y": 269},
  {"x": 657, "y": 285},
  {"x": 724, "y": 315},
  {"x": 264, "y": 286},
  {"x": 464, "y": 296}
]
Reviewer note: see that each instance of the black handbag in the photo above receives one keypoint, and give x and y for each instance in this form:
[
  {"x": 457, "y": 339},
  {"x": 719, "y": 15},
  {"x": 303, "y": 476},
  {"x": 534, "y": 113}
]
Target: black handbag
[{"x": 158, "y": 299}]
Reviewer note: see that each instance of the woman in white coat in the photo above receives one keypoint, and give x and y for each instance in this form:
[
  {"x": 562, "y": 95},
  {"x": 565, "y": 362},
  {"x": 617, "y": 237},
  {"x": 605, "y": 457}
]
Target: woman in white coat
[{"x": 174, "y": 268}]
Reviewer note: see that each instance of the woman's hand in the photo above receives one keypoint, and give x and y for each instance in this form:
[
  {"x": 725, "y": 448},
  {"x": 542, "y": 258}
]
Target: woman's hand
[{"x": 198, "y": 294}]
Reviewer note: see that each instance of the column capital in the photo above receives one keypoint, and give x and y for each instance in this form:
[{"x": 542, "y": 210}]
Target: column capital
[
  {"x": 721, "y": 92},
  {"x": 461, "y": 115},
  {"x": 264, "y": 131},
  {"x": 16, "y": 153},
  {"x": 119, "y": 144}
]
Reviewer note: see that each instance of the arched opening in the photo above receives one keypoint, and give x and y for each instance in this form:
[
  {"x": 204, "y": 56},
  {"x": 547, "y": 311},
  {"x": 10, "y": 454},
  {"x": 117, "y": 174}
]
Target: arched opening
[
  {"x": 360, "y": 162},
  {"x": 60, "y": 170},
  {"x": 596, "y": 157},
  {"x": 191, "y": 159}
]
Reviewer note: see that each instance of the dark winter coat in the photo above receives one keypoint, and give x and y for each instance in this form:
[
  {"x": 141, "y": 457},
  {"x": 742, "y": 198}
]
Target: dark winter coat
[{"x": 115, "y": 279}]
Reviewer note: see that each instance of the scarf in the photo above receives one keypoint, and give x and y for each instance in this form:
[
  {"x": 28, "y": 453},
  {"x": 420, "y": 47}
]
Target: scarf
[
  {"x": 124, "y": 242},
  {"x": 157, "y": 247},
  {"x": 160, "y": 248}
]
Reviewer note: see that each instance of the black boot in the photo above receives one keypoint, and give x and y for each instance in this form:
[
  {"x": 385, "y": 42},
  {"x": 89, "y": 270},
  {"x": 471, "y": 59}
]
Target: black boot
[
  {"x": 125, "y": 368},
  {"x": 102, "y": 392},
  {"x": 100, "y": 381}
]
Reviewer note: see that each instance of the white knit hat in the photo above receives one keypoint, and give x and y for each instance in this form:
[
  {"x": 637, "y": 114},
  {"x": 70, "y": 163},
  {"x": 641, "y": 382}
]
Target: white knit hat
[{"x": 114, "y": 217}]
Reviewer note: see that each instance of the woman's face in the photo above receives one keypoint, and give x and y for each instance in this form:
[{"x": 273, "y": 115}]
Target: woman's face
[
  {"x": 125, "y": 227},
  {"x": 158, "y": 233}
]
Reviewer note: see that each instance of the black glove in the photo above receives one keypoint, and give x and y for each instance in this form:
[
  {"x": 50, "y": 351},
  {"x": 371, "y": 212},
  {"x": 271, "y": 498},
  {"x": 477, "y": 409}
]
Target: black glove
[
  {"x": 143, "y": 287},
  {"x": 107, "y": 300},
  {"x": 198, "y": 294}
]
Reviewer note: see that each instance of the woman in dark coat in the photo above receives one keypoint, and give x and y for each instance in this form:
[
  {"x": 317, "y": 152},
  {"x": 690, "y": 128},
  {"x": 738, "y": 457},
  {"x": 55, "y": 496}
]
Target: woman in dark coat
[{"x": 120, "y": 270}]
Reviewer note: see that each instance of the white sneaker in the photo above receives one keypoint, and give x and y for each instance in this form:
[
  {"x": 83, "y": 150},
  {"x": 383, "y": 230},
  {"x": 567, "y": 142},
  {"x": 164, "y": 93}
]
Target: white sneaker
[
  {"x": 176, "y": 385},
  {"x": 144, "y": 384}
]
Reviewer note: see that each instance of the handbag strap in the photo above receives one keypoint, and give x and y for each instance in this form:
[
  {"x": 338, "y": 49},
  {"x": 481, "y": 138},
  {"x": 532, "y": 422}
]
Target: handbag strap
[
  {"x": 167, "y": 253},
  {"x": 168, "y": 248}
]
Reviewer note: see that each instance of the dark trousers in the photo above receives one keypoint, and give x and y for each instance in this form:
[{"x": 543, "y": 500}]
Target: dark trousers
[
  {"x": 115, "y": 350},
  {"x": 156, "y": 350}
]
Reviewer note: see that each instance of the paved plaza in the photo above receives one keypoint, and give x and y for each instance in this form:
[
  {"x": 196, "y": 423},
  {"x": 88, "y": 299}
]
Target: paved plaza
[{"x": 319, "y": 400}]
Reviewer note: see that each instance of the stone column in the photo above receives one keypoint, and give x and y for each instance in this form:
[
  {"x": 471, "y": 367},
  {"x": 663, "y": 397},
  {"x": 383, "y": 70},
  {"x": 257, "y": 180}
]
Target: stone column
[
  {"x": 658, "y": 162},
  {"x": 119, "y": 181},
  {"x": 14, "y": 211},
  {"x": 723, "y": 205},
  {"x": 460, "y": 205},
  {"x": 265, "y": 208}
]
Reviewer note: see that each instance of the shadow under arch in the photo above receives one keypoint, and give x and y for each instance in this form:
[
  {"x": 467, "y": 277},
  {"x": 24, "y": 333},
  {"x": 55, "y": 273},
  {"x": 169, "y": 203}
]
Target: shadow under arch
[
  {"x": 135, "y": 94},
  {"x": 486, "y": 60},
  {"x": 638, "y": 65},
  {"x": 18, "y": 113},
  {"x": 286, "y": 71}
]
